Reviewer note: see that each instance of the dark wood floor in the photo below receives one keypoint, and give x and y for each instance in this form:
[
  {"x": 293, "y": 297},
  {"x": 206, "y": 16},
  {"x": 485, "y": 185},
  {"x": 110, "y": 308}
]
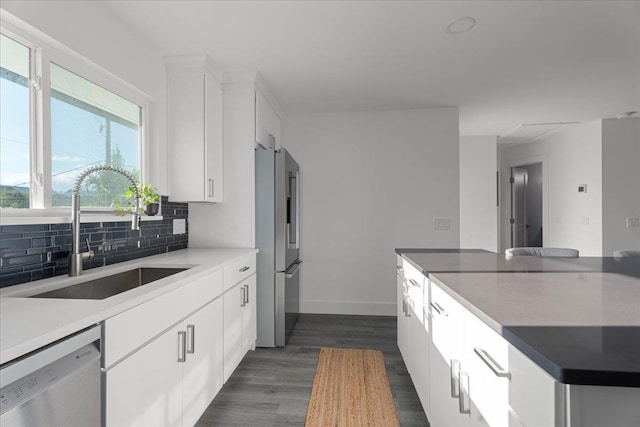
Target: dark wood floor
[{"x": 271, "y": 387}]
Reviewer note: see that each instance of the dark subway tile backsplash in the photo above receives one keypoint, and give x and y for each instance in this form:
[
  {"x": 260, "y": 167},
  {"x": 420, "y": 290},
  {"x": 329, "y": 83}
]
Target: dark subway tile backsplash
[{"x": 38, "y": 251}]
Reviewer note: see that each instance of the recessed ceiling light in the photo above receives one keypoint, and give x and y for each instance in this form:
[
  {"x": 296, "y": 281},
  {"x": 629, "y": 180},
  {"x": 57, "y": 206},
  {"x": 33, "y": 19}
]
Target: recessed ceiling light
[{"x": 461, "y": 25}]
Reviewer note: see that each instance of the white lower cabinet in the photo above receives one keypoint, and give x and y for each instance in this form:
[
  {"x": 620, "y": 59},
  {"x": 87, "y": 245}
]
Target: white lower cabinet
[
  {"x": 202, "y": 376},
  {"x": 446, "y": 357},
  {"x": 171, "y": 380},
  {"x": 402, "y": 314},
  {"x": 145, "y": 389},
  {"x": 413, "y": 326},
  {"x": 240, "y": 328},
  {"x": 165, "y": 360},
  {"x": 419, "y": 343},
  {"x": 486, "y": 366}
]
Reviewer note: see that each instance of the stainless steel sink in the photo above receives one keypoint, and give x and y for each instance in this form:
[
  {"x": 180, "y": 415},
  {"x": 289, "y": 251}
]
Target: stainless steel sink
[{"x": 108, "y": 286}]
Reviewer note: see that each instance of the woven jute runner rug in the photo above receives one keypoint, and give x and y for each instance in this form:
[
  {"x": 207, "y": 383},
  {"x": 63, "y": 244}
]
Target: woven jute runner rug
[{"x": 351, "y": 388}]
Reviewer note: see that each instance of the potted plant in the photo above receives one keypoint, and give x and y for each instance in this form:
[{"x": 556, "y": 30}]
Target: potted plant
[{"x": 149, "y": 198}]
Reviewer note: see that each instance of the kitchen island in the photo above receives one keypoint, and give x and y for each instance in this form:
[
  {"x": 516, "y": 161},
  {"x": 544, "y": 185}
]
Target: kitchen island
[{"x": 527, "y": 341}]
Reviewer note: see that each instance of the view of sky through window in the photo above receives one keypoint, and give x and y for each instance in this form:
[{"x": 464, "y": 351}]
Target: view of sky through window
[
  {"x": 14, "y": 124},
  {"x": 89, "y": 126}
]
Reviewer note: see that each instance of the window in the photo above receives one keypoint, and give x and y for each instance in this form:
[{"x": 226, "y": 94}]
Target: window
[
  {"x": 56, "y": 128},
  {"x": 90, "y": 126},
  {"x": 15, "y": 125}
]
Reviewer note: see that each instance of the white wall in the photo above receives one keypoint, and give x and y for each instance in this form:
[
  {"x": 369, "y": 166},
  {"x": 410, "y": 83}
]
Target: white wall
[
  {"x": 621, "y": 183},
  {"x": 478, "y": 193},
  {"x": 370, "y": 182},
  {"x": 93, "y": 31},
  {"x": 570, "y": 156}
]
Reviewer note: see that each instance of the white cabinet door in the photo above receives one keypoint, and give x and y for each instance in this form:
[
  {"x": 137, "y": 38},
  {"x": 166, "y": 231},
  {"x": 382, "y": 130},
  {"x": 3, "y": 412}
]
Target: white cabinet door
[
  {"x": 419, "y": 345},
  {"x": 234, "y": 341},
  {"x": 402, "y": 316},
  {"x": 249, "y": 319},
  {"x": 145, "y": 389},
  {"x": 203, "y": 368},
  {"x": 486, "y": 360},
  {"x": 535, "y": 396},
  {"x": 194, "y": 130},
  {"x": 213, "y": 145},
  {"x": 446, "y": 353}
]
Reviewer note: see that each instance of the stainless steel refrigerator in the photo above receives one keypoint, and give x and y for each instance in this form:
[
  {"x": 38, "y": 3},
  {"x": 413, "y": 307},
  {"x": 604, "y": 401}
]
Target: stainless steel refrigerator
[{"x": 278, "y": 241}]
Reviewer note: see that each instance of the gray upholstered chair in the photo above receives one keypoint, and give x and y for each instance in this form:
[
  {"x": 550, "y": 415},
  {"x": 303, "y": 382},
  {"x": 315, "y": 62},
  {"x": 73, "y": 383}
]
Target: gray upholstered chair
[
  {"x": 621, "y": 253},
  {"x": 543, "y": 252}
]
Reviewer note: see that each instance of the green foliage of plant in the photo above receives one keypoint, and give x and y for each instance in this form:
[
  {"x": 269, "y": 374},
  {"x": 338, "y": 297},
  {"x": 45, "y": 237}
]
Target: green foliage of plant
[{"x": 148, "y": 195}]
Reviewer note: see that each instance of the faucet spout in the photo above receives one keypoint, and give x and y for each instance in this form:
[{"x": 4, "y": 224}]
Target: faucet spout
[{"x": 76, "y": 257}]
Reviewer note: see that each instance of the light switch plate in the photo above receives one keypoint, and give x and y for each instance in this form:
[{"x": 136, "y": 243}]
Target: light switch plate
[
  {"x": 633, "y": 222},
  {"x": 441, "y": 224},
  {"x": 179, "y": 226}
]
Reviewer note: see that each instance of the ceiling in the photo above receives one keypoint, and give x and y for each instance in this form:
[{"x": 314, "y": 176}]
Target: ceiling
[{"x": 523, "y": 63}]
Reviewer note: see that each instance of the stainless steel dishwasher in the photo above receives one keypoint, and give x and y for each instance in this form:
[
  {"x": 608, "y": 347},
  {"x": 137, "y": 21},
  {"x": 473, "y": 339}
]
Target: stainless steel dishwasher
[{"x": 58, "y": 385}]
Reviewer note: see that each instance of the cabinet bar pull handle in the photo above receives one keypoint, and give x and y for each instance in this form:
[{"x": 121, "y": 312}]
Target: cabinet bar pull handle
[
  {"x": 491, "y": 363},
  {"x": 246, "y": 301},
  {"x": 213, "y": 188},
  {"x": 455, "y": 378},
  {"x": 438, "y": 308},
  {"x": 191, "y": 335},
  {"x": 407, "y": 311},
  {"x": 243, "y": 269},
  {"x": 414, "y": 283},
  {"x": 463, "y": 399},
  {"x": 182, "y": 346},
  {"x": 404, "y": 304},
  {"x": 242, "y": 302}
]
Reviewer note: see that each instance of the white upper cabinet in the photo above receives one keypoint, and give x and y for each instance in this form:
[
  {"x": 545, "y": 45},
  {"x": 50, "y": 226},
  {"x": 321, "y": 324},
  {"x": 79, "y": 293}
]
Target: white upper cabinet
[
  {"x": 194, "y": 130},
  {"x": 268, "y": 125}
]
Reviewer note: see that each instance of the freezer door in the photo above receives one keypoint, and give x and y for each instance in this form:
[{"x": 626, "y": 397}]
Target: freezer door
[
  {"x": 287, "y": 201},
  {"x": 287, "y": 302}
]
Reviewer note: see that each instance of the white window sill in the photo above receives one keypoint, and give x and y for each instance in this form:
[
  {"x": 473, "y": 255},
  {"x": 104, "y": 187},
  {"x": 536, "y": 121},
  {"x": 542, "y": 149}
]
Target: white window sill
[{"x": 10, "y": 216}]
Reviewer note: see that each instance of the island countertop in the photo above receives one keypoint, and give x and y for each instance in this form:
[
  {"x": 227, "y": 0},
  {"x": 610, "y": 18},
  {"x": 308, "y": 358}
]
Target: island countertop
[
  {"x": 27, "y": 324},
  {"x": 576, "y": 320},
  {"x": 431, "y": 261}
]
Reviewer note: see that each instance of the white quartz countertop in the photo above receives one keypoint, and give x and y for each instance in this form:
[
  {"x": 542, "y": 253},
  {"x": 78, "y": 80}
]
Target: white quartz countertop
[
  {"x": 27, "y": 324},
  {"x": 546, "y": 299}
]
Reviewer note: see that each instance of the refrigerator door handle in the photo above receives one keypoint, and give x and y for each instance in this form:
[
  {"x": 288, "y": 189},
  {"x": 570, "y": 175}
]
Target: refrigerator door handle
[{"x": 291, "y": 271}]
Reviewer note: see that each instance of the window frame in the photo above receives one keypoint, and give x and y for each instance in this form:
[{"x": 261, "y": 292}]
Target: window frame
[{"x": 43, "y": 51}]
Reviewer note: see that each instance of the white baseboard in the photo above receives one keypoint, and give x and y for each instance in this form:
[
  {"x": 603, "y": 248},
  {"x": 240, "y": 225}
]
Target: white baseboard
[{"x": 348, "y": 307}]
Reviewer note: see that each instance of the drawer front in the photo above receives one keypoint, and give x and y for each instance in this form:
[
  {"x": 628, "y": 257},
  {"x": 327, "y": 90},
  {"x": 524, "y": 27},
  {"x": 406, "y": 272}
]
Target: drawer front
[
  {"x": 487, "y": 362},
  {"x": 414, "y": 277},
  {"x": 239, "y": 270},
  {"x": 129, "y": 330},
  {"x": 447, "y": 324},
  {"x": 399, "y": 266}
]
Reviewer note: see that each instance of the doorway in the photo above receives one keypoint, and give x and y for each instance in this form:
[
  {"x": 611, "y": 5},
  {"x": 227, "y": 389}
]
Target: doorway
[{"x": 526, "y": 205}]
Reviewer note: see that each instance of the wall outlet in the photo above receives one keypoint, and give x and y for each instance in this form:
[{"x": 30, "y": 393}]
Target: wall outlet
[
  {"x": 441, "y": 224},
  {"x": 633, "y": 222},
  {"x": 582, "y": 188},
  {"x": 179, "y": 226}
]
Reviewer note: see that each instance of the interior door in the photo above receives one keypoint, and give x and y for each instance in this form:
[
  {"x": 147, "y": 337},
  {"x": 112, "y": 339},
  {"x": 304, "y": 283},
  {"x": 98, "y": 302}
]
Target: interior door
[{"x": 519, "y": 180}]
